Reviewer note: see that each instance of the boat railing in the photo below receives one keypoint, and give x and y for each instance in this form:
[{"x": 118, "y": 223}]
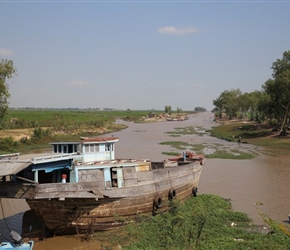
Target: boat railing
[
  {"x": 111, "y": 162},
  {"x": 53, "y": 157},
  {"x": 9, "y": 155},
  {"x": 40, "y": 159}
]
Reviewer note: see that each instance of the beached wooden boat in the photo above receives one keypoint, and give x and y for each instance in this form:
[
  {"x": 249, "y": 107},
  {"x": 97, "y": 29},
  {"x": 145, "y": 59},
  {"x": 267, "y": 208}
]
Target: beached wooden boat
[{"x": 81, "y": 186}]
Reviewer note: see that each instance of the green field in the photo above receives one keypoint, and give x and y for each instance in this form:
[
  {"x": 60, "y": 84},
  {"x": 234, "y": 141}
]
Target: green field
[
  {"x": 45, "y": 117},
  {"x": 34, "y": 128}
]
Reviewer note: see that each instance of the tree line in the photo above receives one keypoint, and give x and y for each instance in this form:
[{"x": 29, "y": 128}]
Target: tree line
[
  {"x": 168, "y": 109},
  {"x": 270, "y": 104}
]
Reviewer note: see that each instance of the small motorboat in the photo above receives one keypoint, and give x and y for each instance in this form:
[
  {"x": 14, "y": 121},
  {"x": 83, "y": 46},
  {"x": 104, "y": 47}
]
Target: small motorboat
[{"x": 17, "y": 243}]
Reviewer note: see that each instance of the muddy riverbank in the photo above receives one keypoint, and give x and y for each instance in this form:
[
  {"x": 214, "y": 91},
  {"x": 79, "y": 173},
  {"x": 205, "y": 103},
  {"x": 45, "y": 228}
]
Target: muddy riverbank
[{"x": 263, "y": 179}]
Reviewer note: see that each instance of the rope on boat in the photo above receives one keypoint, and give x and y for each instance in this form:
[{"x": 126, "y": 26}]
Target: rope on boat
[{"x": 2, "y": 209}]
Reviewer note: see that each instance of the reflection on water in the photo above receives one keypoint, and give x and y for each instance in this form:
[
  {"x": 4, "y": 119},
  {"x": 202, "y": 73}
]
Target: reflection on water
[{"x": 264, "y": 179}]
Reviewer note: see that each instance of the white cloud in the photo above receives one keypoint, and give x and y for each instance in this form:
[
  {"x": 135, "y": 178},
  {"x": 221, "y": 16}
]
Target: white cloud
[
  {"x": 182, "y": 84},
  {"x": 198, "y": 85},
  {"x": 5, "y": 52},
  {"x": 77, "y": 83},
  {"x": 171, "y": 30}
]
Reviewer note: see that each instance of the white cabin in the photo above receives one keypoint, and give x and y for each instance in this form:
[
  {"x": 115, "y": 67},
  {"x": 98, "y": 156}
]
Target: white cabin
[{"x": 89, "y": 149}]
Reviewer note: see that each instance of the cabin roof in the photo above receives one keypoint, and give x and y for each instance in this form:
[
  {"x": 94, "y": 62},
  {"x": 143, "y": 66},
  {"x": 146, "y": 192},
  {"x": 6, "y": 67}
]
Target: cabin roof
[
  {"x": 86, "y": 140},
  {"x": 13, "y": 165}
]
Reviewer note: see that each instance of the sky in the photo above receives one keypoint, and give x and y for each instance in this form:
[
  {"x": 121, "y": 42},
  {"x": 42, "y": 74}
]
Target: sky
[{"x": 139, "y": 55}]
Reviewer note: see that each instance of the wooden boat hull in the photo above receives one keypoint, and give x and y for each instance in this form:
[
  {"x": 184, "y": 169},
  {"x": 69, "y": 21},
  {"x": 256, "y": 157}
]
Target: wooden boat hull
[
  {"x": 63, "y": 214},
  {"x": 82, "y": 187}
]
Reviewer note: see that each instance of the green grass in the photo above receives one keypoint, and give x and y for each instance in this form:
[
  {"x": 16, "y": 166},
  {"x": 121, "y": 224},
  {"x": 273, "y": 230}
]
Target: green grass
[
  {"x": 198, "y": 148},
  {"x": 40, "y": 139},
  {"x": 256, "y": 134},
  {"x": 171, "y": 153},
  {"x": 218, "y": 151},
  {"x": 203, "y": 222},
  {"x": 63, "y": 125},
  {"x": 47, "y": 118},
  {"x": 176, "y": 144},
  {"x": 191, "y": 130},
  {"x": 232, "y": 154}
]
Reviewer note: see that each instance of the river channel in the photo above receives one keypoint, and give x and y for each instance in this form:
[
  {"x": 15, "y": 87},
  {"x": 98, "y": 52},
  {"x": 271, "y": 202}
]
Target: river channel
[{"x": 263, "y": 180}]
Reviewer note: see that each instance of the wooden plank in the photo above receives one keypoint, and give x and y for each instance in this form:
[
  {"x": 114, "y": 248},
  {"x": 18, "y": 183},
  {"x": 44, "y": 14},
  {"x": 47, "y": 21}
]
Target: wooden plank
[
  {"x": 88, "y": 175},
  {"x": 145, "y": 176},
  {"x": 65, "y": 187},
  {"x": 129, "y": 175},
  {"x": 52, "y": 195},
  {"x": 128, "y": 183}
]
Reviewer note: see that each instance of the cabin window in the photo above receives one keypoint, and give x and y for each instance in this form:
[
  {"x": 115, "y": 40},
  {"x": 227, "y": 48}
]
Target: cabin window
[
  {"x": 107, "y": 147},
  {"x": 68, "y": 148},
  {"x": 87, "y": 148}
]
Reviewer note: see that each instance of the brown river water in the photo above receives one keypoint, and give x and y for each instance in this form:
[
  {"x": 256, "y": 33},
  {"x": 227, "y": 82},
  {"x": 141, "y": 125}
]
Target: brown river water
[{"x": 264, "y": 179}]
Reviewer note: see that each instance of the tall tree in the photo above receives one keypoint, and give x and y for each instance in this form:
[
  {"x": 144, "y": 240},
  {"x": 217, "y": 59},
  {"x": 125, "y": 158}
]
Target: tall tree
[
  {"x": 265, "y": 108},
  {"x": 178, "y": 110},
  {"x": 228, "y": 102},
  {"x": 279, "y": 88},
  {"x": 253, "y": 99},
  {"x": 244, "y": 101},
  {"x": 168, "y": 109},
  {"x": 7, "y": 71},
  {"x": 219, "y": 103}
]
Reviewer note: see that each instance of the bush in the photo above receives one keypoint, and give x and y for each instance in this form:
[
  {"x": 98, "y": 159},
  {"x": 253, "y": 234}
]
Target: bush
[
  {"x": 8, "y": 144},
  {"x": 40, "y": 133},
  {"x": 24, "y": 140}
]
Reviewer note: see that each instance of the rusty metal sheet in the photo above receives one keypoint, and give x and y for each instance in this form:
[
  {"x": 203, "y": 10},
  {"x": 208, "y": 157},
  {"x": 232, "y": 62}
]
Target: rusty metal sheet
[
  {"x": 142, "y": 168},
  {"x": 12, "y": 167}
]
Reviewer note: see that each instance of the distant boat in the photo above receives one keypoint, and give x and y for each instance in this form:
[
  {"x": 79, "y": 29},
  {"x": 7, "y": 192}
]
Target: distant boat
[
  {"x": 16, "y": 243},
  {"x": 178, "y": 118},
  {"x": 81, "y": 186}
]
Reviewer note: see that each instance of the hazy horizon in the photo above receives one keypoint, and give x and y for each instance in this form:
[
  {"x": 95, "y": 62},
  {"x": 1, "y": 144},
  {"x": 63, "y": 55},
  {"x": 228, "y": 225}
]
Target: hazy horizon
[{"x": 139, "y": 55}]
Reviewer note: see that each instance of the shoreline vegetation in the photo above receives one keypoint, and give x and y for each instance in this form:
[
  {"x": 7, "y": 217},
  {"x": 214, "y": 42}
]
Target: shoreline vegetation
[
  {"x": 30, "y": 130},
  {"x": 254, "y": 133},
  {"x": 203, "y": 222}
]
